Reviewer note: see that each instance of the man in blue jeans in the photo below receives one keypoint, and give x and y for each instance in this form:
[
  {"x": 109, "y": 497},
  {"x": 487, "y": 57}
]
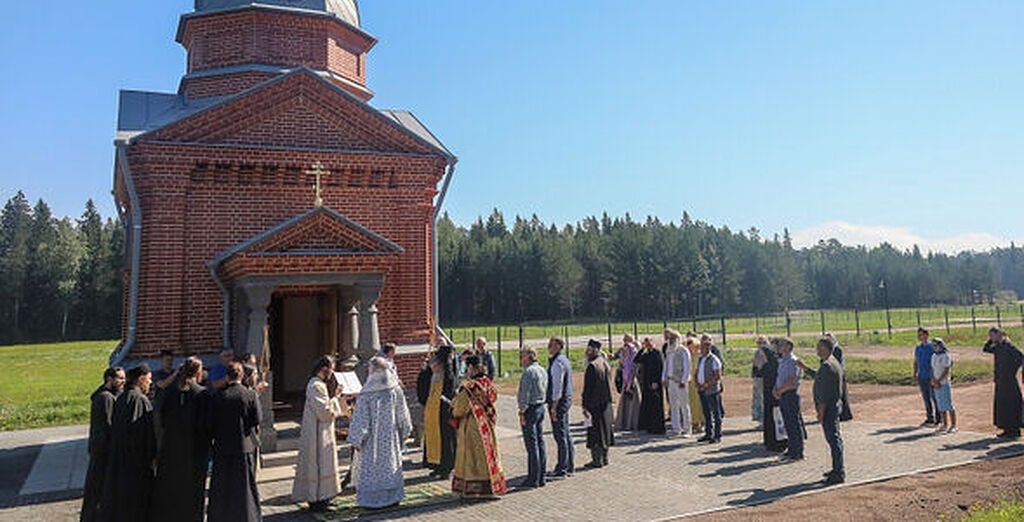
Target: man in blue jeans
[
  {"x": 532, "y": 396},
  {"x": 787, "y": 391},
  {"x": 923, "y": 373},
  {"x": 559, "y": 400}
]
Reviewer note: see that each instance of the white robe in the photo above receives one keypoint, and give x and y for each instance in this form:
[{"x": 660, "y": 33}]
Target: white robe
[
  {"x": 380, "y": 424},
  {"x": 316, "y": 477}
]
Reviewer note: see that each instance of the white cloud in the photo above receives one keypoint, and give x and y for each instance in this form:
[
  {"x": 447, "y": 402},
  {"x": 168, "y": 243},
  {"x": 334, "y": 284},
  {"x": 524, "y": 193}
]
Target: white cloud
[{"x": 899, "y": 237}]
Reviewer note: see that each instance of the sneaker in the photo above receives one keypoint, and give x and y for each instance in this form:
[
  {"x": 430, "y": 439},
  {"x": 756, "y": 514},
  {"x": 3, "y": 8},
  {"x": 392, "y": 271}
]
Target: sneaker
[
  {"x": 927, "y": 423},
  {"x": 941, "y": 429},
  {"x": 952, "y": 429},
  {"x": 832, "y": 480},
  {"x": 704, "y": 439},
  {"x": 684, "y": 435}
]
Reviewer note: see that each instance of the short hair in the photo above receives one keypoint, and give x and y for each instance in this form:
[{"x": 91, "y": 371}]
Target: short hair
[
  {"x": 481, "y": 339},
  {"x": 166, "y": 353},
  {"x": 559, "y": 342},
  {"x": 530, "y": 352},
  {"x": 111, "y": 372},
  {"x": 137, "y": 372},
  {"x": 473, "y": 360},
  {"x": 996, "y": 330},
  {"x": 325, "y": 361},
  {"x": 705, "y": 337},
  {"x": 784, "y": 341},
  {"x": 191, "y": 367},
  {"x": 235, "y": 371},
  {"x": 387, "y": 349},
  {"x": 761, "y": 339},
  {"x": 922, "y": 330},
  {"x": 594, "y": 343},
  {"x": 827, "y": 342}
]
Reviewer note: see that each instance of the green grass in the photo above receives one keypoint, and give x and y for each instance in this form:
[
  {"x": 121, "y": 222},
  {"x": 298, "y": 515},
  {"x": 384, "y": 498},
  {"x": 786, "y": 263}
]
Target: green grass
[
  {"x": 803, "y": 322},
  {"x": 1001, "y": 511},
  {"x": 859, "y": 370},
  {"x": 49, "y": 384}
]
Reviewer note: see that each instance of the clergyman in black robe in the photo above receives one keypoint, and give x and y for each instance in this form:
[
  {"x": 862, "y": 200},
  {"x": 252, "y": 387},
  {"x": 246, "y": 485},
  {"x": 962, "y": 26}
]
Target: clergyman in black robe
[
  {"x": 597, "y": 403},
  {"x": 234, "y": 415},
  {"x": 179, "y": 493},
  {"x": 1007, "y": 407},
  {"x": 100, "y": 416},
  {"x": 652, "y": 398},
  {"x": 129, "y": 479},
  {"x": 769, "y": 373},
  {"x": 443, "y": 363},
  {"x": 423, "y": 393}
]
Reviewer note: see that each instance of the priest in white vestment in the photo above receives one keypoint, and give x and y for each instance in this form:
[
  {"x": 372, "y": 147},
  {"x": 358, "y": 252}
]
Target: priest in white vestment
[
  {"x": 380, "y": 423},
  {"x": 316, "y": 476}
]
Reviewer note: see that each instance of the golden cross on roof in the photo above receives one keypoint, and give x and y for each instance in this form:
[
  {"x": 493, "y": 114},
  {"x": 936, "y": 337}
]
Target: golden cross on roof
[{"x": 318, "y": 171}]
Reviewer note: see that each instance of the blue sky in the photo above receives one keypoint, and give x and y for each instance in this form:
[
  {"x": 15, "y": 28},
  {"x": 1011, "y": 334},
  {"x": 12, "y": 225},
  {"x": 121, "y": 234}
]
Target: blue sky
[{"x": 865, "y": 120}]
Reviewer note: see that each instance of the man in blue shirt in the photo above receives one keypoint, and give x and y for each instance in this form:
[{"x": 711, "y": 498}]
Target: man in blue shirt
[
  {"x": 559, "y": 399},
  {"x": 923, "y": 373}
]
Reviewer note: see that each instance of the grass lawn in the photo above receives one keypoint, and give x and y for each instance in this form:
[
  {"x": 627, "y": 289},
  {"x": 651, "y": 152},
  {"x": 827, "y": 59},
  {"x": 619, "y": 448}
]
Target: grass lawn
[
  {"x": 1002, "y": 511},
  {"x": 738, "y": 361},
  {"x": 49, "y": 384}
]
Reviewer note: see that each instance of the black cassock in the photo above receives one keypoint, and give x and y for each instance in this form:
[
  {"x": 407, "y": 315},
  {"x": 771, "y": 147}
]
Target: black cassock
[
  {"x": 129, "y": 479},
  {"x": 100, "y": 416},
  {"x": 652, "y": 398},
  {"x": 597, "y": 400},
  {"x": 1007, "y": 408},
  {"x": 179, "y": 492},
  {"x": 770, "y": 372},
  {"x": 234, "y": 415},
  {"x": 422, "y": 393}
]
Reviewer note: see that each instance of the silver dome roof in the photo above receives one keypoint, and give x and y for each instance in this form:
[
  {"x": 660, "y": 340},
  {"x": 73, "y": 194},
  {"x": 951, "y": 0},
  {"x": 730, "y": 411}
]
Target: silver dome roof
[{"x": 346, "y": 10}]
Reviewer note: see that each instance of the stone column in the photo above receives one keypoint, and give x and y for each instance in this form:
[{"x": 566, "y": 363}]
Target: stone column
[
  {"x": 369, "y": 335},
  {"x": 258, "y": 299},
  {"x": 349, "y": 323}
]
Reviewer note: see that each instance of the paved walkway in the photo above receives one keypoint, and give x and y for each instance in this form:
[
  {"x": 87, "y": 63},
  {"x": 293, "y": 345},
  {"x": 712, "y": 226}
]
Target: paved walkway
[{"x": 650, "y": 478}]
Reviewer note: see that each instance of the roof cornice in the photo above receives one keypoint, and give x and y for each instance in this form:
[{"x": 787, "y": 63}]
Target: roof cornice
[{"x": 185, "y": 18}]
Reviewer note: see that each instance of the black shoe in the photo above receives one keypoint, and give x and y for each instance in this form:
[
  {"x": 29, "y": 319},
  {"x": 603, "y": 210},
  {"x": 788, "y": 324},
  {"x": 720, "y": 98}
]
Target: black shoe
[
  {"x": 593, "y": 465},
  {"x": 703, "y": 439},
  {"x": 833, "y": 479},
  {"x": 714, "y": 441},
  {"x": 557, "y": 476}
]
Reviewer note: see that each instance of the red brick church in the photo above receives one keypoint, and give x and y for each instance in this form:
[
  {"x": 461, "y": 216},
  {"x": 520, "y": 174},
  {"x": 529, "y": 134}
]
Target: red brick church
[{"x": 268, "y": 203}]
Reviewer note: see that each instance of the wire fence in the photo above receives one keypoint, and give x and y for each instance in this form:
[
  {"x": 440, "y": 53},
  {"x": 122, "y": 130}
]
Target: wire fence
[{"x": 744, "y": 326}]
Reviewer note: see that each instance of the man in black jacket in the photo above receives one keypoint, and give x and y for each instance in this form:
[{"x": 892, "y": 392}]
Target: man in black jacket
[
  {"x": 234, "y": 417},
  {"x": 99, "y": 440}
]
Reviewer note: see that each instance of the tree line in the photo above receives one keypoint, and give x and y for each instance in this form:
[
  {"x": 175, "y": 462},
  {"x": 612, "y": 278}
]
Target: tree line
[
  {"x": 622, "y": 268},
  {"x": 60, "y": 279}
]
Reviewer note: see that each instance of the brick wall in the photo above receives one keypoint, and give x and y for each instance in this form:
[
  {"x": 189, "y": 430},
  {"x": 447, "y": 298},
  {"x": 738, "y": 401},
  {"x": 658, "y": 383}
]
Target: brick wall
[
  {"x": 241, "y": 170},
  {"x": 271, "y": 38}
]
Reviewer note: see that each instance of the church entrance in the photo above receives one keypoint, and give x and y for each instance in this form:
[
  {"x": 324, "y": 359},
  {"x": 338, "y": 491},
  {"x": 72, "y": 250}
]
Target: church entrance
[{"x": 303, "y": 327}]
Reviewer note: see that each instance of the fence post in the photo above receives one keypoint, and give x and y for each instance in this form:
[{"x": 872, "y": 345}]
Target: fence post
[
  {"x": 664, "y": 324},
  {"x": 757, "y": 324},
  {"x": 947, "y": 321},
  {"x": 472, "y": 340},
  {"x": 789, "y": 325},
  {"x": 919, "y": 318},
  {"x": 974, "y": 320},
  {"x": 999, "y": 317},
  {"x": 888, "y": 321},
  {"x": 520, "y": 337},
  {"x": 609, "y": 335},
  {"x": 1022, "y": 316},
  {"x": 822, "y": 313},
  {"x": 694, "y": 319},
  {"x": 499, "y": 351},
  {"x": 635, "y": 332},
  {"x": 725, "y": 341},
  {"x": 856, "y": 319}
]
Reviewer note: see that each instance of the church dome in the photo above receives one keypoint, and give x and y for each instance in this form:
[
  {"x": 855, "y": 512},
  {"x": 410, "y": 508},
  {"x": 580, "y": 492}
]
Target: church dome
[{"x": 346, "y": 10}]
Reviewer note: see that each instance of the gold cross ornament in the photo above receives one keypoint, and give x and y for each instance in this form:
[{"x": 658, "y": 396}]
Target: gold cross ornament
[{"x": 318, "y": 171}]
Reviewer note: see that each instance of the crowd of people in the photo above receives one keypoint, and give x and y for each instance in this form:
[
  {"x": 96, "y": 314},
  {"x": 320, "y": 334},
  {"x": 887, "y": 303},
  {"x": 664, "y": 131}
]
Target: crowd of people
[{"x": 155, "y": 436}]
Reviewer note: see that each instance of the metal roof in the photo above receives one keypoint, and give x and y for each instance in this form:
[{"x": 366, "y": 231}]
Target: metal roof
[
  {"x": 140, "y": 112},
  {"x": 346, "y": 10}
]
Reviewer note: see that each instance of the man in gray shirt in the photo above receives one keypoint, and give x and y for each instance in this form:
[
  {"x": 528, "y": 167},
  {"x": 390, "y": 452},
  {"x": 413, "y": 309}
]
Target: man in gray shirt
[
  {"x": 532, "y": 395},
  {"x": 828, "y": 394},
  {"x": 787, "y": 386}
]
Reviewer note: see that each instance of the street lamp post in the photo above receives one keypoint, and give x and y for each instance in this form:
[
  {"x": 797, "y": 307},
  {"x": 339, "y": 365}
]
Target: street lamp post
[{"x": 885, "y": 299}]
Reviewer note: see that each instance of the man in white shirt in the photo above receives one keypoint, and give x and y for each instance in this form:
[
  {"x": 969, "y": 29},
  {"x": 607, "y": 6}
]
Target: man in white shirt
[
  {"x": 674, "y": 377},
  {"x": 709, "y": 386}
]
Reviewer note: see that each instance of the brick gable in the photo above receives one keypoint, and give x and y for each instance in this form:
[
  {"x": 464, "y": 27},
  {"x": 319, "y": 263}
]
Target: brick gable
[{"x": 296, "y": 110}]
